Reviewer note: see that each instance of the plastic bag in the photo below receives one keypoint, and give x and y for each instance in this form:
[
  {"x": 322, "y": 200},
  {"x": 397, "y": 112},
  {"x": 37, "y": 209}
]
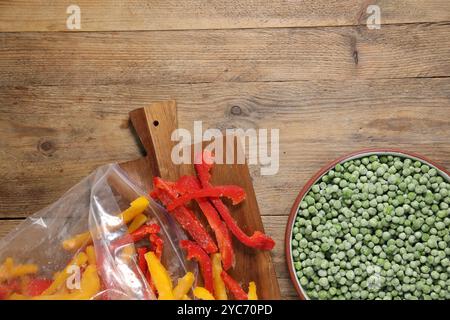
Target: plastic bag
[{"x": 94, "y": 204}]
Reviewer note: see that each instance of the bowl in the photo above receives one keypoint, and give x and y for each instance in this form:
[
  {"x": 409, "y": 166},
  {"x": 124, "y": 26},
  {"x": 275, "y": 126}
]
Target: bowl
[{"x": 354, "y": 155}]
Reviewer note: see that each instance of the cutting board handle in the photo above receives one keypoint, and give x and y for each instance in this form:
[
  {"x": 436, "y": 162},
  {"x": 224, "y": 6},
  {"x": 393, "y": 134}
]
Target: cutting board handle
[{"x": 154, "y": 125}]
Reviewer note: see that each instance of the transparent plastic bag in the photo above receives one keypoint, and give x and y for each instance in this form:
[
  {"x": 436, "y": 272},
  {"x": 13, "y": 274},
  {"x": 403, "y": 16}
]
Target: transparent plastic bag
[{"x": 94, "y": 204}]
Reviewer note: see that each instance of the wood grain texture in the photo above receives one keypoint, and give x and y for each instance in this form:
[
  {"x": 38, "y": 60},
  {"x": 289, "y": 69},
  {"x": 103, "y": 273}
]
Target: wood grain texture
[
  {"x": 203, "y": 56},
  {"x": 310, "y": 68},
  {"x": 54, "y": 136},
  {"x": 101, "y": 15}
]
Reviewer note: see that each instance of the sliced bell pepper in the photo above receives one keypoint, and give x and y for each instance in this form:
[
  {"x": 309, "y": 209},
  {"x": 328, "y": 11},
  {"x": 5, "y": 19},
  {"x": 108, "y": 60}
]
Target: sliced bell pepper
[
  {"x": 235, "y": 193},
  {"x": 203, "y": 294},
  {"x": 220, "y": 291},
  {"x": 258, "y": 240},
  {"x": 136, "y": 207},
  {"x": 36, "y": 286},
  {"x": 160, "y": 277},
  {"x": 165, "y": 193},
  {"x": 196, "y": 252},
  {"x": 24, "y": 269},
  {"x": 142, "y": 263},
  {"x": 157, "y": 244},
  {"x": 90, "y": 252},
  {"x": 79, "y": 260},
  {"x": 17, "y": 296},
  {"x": 8, "y": 264},
  {"x": 136, "y": 235},
  {"x": 252, "y": 295},
  {"x": 183, "y": 286},
  {"x": 5, "y": 292},
  {"x": 137, "y": 222},
  {"x": 233, "y": 287},
  {"x": 144, "y": 231},
  {"x": 10, "y": 271},
  {"x": 77, "y": 241},
  {"x": 221, "y": 232},
  {"x": 90, "y": 283},
  {"x": 89, "y": 287}
]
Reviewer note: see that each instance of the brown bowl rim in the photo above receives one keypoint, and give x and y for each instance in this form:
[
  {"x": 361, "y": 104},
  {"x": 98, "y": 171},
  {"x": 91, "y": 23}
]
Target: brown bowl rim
[{"x": 319, "y": 174}]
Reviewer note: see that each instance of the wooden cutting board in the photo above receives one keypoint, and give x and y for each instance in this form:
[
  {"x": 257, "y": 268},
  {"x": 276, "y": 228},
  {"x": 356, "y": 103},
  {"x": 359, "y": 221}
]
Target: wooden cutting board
[{"x": 154, "y": 125}]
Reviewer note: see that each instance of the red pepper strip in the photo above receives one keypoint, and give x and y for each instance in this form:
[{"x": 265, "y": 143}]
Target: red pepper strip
[
  {"x": 136, "y": 235},
  {"x": 258, "y": 240},
  {"x": 142, "y": 263},
  {"x": 220, "y": 229},
  {"x": 5, "y": 291},
  {"x": 8, "y": 288},
  {"x": 157, "y": 244},
  {"x": 233, "y": 287},
  {"x": 235, "y": 193},
  {"x": 144, "y": 231},
  {"x": 185, "y": 217},
  {"x": 141, "y": 259},
  {"x": 36, "y": 286},
  {"x": 197, "y": 253}
]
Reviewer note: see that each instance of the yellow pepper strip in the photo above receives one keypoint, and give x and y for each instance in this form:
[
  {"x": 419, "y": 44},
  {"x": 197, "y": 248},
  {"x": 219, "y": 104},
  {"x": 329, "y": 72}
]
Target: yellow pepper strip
[
  {"x": 160, "y": 277},
  {"x": 79, "y": 260},
  {"x": 90, "y": 283},
  {"x": 90, "y": 252},
  {"x": 203, "y": 294},
  {"x": 77, "y": 241},
  {"x": 137, "y": 222},
  {"x": 62, "y": 290},
  {"x": 219, "y": 286},
  {"x": 17, "y": 296},
  {"x": 136, "y": 207},
  {"x": 183, "y": 286},
  {"x": 3, "y": 274},
  {"x": 9, "y": 264},
  {"x": 23, "y": 269},
  {"x": 252, "y": 291},
  {"x": 89, "y": 286},
  {"x": 186, "y": 297},
  {"x": 8, "y": 270}
]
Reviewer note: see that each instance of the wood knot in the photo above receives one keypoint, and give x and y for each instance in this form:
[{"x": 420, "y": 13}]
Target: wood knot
[
  {"x": 236, "y": 110},
  {"x": 355, "y": 57},
  {"x": 46, "y": 147}
]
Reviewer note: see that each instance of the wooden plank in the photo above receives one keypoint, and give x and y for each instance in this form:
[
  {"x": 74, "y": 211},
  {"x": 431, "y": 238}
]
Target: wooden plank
[
  {"x": 101, "y": 15},
  {"x": 395, "y": 51},
  {"x": 54, "y": 136},
  {"x": 274, "y": 225}
]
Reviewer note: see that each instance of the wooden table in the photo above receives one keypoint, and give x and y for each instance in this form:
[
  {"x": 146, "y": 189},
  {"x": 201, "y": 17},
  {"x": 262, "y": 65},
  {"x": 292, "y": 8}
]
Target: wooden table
[{"x": 311, "y": 68}]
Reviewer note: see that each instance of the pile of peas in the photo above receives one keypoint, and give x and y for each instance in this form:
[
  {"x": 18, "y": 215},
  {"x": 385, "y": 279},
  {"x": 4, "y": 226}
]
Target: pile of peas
[{"x": 375, "y": 227}]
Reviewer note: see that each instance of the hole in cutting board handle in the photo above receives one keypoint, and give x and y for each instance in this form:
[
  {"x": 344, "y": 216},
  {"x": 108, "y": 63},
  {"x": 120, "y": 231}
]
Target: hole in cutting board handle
[{"x": 156, "y": 123}]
